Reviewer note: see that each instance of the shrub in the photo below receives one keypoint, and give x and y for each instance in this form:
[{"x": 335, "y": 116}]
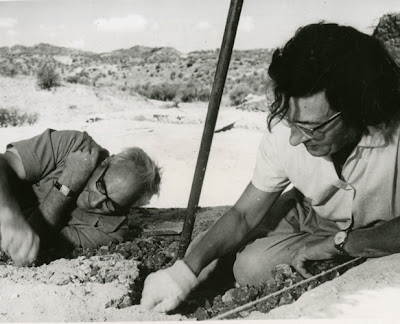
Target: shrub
[
  {"x": 8, "y": 69},
  {"x": 12, "y": 117},
  {"x": 182, "y": 92},
  {"x": 162, "y": 91},
  {"x": 47, "y": 77},
  {"x": 188, "y": 92},
  {"x": 204, "y": 94},
  {"x": 238, "y": 94},
  {"x": 80, "y": 78}
]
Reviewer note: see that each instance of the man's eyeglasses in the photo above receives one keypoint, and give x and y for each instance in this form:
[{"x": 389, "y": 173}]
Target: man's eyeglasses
[
  {"x": 310, "y": 132},
  {"x": 101, "y": 187}
]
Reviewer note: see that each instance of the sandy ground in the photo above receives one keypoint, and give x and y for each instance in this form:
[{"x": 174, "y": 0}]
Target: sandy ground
[{"x": 172, "y": 136}]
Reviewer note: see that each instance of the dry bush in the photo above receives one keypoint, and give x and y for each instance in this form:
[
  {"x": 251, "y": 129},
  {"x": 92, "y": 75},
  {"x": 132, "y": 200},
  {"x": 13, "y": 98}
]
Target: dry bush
[
  {"x": 239, "y": 93},
  {"x": 47, "y": 77},
  {"x": 8, "y": 69},
  {"x": 161, "y": 91},
  {"x": 12, "y": 117}
]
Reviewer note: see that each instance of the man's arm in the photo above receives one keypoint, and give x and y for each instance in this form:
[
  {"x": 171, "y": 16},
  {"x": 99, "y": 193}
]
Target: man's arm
[
  {"x": 230, "y": 230},
  {"x": 17, "y": 237},
  {"x": 370, "y": 242},
  {"x": 50, "y": 216},
  {"x": 165, "y": 289},
  {"x": 380, "y": 240}
]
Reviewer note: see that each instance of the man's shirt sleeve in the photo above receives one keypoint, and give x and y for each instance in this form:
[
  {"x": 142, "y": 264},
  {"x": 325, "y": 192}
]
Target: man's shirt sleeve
[
  {"x": 43, "y": 153},
  {"x": 269, "y": 174}
]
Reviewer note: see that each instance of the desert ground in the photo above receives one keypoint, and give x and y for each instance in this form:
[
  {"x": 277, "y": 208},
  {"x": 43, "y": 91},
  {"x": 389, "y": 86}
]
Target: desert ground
[{"x": 172, "y": 136}]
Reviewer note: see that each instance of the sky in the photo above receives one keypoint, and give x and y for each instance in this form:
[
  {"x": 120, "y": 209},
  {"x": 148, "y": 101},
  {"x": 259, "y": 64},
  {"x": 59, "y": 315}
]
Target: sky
[{"x": 187, "y": 25}]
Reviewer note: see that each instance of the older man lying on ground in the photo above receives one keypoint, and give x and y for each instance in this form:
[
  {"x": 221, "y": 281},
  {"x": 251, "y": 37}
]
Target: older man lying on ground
[{"x": 61, "y": 188}]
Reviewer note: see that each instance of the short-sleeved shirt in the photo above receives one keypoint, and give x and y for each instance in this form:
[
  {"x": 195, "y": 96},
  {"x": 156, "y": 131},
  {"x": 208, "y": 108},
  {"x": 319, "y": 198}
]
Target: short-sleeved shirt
[
  {"x": 43, "y": 158},
  {"x": 367, "y": 192}
]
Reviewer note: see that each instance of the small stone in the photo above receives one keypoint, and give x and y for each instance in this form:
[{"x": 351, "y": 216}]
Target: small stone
[
  {"x": 125, "y": 301},
  {"x": 110, "y": 277},
  {"x": 201, "y": 314},
  {"x": 236, "y": 296},
  {"x": 282, "y": 270},
  {"x": 285, "y": 299},
  {"x": 270, "y": 287},
  {"x": 298, "y": 291},
  {"x": 94, "y": 270},
  {"x": 313, "y": 284},
  {"x": 267, "y": 305},
  {"x": 244, "y": 313},
  {"x": 297, "y": 277},
  {"x": 160, "y": 259}
]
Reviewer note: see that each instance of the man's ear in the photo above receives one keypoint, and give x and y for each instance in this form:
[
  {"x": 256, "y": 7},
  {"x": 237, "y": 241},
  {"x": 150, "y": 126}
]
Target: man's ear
[{"x": 107, "y": 160}]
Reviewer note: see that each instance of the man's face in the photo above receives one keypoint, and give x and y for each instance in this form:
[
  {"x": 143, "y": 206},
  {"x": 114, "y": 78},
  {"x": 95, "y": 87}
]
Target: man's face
[
  {"x": 108, "y": 191},
  {"x": 310, "y": 112}
]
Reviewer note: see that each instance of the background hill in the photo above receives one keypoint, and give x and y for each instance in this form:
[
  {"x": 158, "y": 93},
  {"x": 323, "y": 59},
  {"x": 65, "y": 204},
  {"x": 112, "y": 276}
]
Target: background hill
[
  {"x": 158, "y": 73},
  {"x": 162, "y": 73}
]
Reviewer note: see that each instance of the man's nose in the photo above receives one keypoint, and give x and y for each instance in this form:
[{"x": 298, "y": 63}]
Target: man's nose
[
  {"x": 297, "y": 137},
  {"x": 96, "y": 199}
]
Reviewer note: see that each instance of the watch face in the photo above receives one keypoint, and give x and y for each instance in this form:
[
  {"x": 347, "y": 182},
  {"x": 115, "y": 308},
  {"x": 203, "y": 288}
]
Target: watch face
[
  {"x": 340, "y": 237},
  {"x": 64, "y": 190}
]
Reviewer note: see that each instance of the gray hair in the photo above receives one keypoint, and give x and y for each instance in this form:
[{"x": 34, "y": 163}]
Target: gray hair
[{"x": 146, "y": 171}]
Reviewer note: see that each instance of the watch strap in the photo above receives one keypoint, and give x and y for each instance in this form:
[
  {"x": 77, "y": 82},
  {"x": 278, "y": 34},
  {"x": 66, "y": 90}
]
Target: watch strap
[{"x": 63, "y": 189}]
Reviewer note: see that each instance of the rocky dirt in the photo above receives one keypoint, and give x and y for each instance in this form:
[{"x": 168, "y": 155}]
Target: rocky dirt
[{"x": 105, "y": 284}]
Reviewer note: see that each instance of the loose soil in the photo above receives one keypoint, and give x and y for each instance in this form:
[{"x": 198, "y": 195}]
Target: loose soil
[{"x": 111, "y": 278}]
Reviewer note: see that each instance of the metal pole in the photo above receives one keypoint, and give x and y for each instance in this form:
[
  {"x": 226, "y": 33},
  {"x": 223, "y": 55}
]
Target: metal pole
[{"x": 209, "y": 127}]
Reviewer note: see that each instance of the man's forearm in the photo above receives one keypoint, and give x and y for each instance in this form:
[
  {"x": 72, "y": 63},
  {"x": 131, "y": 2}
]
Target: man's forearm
[
  {"x": 376, "y": 241},
  {"x": 52, "y": 211},
  {"x": 222, "y": 238},
  {"x": 8, "y": 203},
  {"x": 51, "y": 214}
]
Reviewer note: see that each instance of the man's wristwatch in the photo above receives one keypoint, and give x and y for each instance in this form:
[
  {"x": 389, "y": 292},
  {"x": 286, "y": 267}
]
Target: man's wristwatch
[
  {"x": 63, "y": 189},
  {"x": 340, "y": 240}
]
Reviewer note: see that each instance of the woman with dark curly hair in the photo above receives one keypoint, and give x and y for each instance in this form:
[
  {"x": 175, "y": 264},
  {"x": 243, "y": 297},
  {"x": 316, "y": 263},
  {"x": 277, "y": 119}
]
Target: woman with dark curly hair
[{"x": 333, "y": 136}]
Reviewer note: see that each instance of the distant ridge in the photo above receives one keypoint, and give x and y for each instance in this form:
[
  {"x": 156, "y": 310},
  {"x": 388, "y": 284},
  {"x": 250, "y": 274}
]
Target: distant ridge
[
  {"x": 149, "y": 54},
  {"x": 43, "y": 49}
]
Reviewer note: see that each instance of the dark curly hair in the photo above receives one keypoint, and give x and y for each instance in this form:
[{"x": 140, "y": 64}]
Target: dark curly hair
[{"x": 359, "y": 76}]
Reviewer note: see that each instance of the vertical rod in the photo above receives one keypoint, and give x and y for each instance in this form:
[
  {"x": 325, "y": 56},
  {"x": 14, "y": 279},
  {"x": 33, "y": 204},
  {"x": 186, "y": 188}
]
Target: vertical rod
[{"x": 209, "y": 127}]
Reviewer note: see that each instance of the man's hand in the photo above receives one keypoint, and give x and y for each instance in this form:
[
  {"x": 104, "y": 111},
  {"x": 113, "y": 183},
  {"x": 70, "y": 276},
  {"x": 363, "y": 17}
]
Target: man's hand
[
  {"x": 79, "y": 167},
  {"x": 319, "y": 250},
  {"x": 19, "y": 240},
  {"x": 165, "y": 289},
  {"x": 88, "y": 144}
]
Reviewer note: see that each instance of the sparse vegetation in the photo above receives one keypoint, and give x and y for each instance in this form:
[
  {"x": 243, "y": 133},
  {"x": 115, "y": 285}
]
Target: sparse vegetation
[
  {"x": 8, "y": 69},
  {"x": 47, "y": 77},
  {"x": 239, "y": 94},
  {"x": 12, "y": 117},
  {"x": 181, "y": 92},
  {"x": 156, "y": 73}
]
